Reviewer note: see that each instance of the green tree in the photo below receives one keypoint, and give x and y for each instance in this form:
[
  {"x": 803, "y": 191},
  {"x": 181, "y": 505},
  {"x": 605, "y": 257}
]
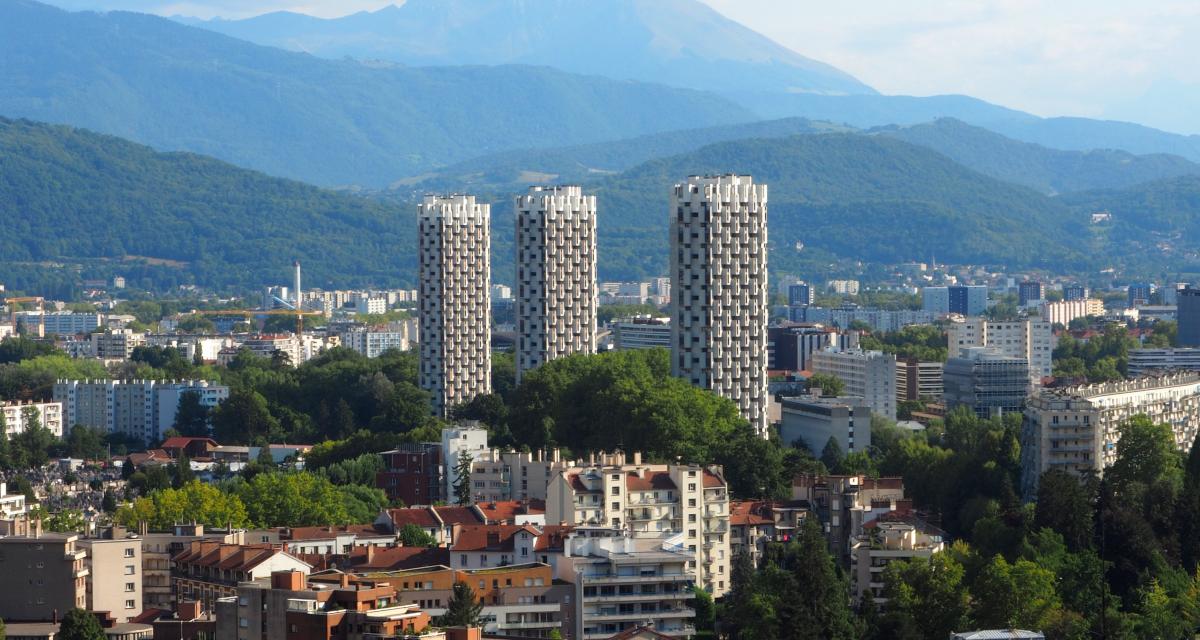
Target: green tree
[
  {"x": 412, "y": 535},
  {"x": 832, "y": 456},
  {"x": 925, "y": 596},
  {"x": 1066, "y": 504},
  {"x": 3, "y": 630},
  {"x": 830, "y": 385},
  {"x": 183, "y": 470},
  {"x": 1188, "y": 510},
  {"x": 243, "y": 417},
  {"x": 462, "y": 482},
  {"x": 191, "y": 419},
  {"x": 1146, "y": 453},
  {"x": 80, "y": 625},
  {"x": 86, "y": 443},
  {"x": 462, "y": 610},
  {"x": 1015, "y": 596},
  {"x": 1159, "y": 617},
  {"x": 109, "y": 502},
  {"x": 706, "y": 609},
  {"x": 67, "y": 521},
  {"x": 818, "y": 606},
  {"x": 755, "y": 467}
]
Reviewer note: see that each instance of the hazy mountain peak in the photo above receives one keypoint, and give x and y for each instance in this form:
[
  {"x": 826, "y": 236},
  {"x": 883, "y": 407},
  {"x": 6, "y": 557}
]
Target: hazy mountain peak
[{"x": 677, "y": 42}]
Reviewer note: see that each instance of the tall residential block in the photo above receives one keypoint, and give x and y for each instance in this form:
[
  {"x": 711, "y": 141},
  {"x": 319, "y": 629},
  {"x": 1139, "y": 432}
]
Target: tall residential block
[
  {"x": 1188, "y": 315},
  {"x": 870, "y": 375},
  {"x": 556, "y": 275},
  {"x": 1031, "y": 339},
  {"x": 719, "y": 289},
  {"x": 967, "y": 300},
  {"x": 455, "y": 299},
  {"x": 1029, "y": 292}
]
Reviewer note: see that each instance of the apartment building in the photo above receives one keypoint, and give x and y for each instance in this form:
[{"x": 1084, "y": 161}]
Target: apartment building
[
  {"x": 986, "y": 381},
  {"x": 895, "y": 536},
  {"x": 208, "y": 571},
  {"x": 719, "y": 307},
  {"x": 454, "y": 254},
  {"x": 157, "y": 550},
  {"x": 1076, "y": 429},
  {"x": 966, "y": 300},
  {"x": 870, "y": 375},
  {"x": 918, "y": 380},
  {"x": 1143, "y": 361},
  {"x": 1029, "y": 292},
  {"x": 115, "y": 579},
  {"x": 18, "y": 415},
  {"x": 754, "y": 523},
  {"x": 117, "y": 344},
  {"x": 143, "y": 409},
  {"x": 1064, "y": 311},
  {"x": 844, "y": 503},
  {"x": 46, "y": 575},
  {"x": 283, "y": 605},
  {"x": 624, "y": 581},
  {"x": 1033, "y": 340},
  {"x": 514, "y": 475},
  {"x": 877, "y": 319},
  {"x": 373, "y": 343},
  {"x": 688, "y": 503},
  {"x": 70, "y": 323},
  {"x": 439, "y": 522},
  {"x": 556, "y": 275},
  {"x": 412, "y": 474}
]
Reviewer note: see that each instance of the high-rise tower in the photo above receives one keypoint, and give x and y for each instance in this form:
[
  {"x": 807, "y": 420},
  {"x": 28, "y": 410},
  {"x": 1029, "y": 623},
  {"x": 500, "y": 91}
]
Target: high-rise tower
[
  {"x": 455, "y": 299},
  {"x": 719, "y": 289},
  {"x": 556, "y": 275}
]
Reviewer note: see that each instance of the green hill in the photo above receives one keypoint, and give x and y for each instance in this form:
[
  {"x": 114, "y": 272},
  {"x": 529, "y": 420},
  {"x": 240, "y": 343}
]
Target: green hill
[
  {"x": 107, "y": 206},
  {"x": 329, "y": 122},
  {"x": 1047, "y": 170}
]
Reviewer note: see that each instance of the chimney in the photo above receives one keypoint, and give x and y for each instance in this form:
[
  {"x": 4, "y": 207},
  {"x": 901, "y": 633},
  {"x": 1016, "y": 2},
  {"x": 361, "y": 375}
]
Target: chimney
[
  {"x": 637, "y": 457},
  {"x": 370, "y": 553},
  {"x": 37, "y": 527},
  {"x": 187, "y": 611},
  {"x": 287, "y": 580}
]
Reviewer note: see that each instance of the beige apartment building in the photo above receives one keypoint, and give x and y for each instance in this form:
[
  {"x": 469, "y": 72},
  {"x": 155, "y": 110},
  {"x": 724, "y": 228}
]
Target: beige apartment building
[
  {"x": 114, "y": 583},
  {"x": 686, "y": 506}
]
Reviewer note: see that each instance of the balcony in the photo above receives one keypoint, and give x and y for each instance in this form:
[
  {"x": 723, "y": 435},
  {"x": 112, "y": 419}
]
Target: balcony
[
  {"x": 609, "y": 578},
  {"x": 549, "y": 624},
  {"x": 638, "y": 597}
]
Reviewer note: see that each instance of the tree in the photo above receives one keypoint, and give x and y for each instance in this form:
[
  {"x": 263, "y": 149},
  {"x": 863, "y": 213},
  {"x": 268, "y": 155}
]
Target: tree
[
  {"x": 462, "y": 610},
  {"x": 925, "y": 596},
  {"x": 183, "y": 470},
  {"x": 755, "y": 467},
  {"x": 831, "y": 455},
  {"x": 1066, "y": 505},
  {"x": 191, "y": 418},
  {"x": 109, "y": 503},
  {"x": 412, "y": 535},
  {"x": 830, "y": 385},
  {"x": 3, "y": 630},
  {"x": 80, "y": 625},
  {"x": 1146, "y": 453},
  {"x": 706, "y": 609},
  {"x": 1016, "y": 596},
  {"x": 818, "y": 604},
  {"x": 86, "y": 443},
  {"x": 67, "y": 521},
  {"x": 1188, "y": 510},
  {"x": 462, "y": 482},
  {"x": 243, "y": 417}
]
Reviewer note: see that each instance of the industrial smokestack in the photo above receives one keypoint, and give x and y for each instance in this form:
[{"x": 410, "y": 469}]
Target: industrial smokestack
[{"x": 299, "y": 297}]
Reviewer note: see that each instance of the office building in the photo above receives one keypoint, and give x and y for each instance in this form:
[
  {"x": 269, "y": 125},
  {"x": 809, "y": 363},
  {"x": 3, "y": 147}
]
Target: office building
[
  {"x": 45, "y": 576},
  {"x": 556, "y": 275},
  {"x": 144, "y": 409},
  {"x": 1076, "y": 429},
  {"x": 69, "y": 323},
  {"x": 18, "y": 415},
  {"x": 643, "y": 332},
  {"x": 1170, "y": 292},
  {"x": 1073, "y": 292},
  {"x": 624, "y": 582},
  {"x": 114, "y": 583},
  {"x": 455, "y": 300},
  {"x": 918, "y": 380},
  {"x": 790, "y": 347},
  {"x": 686, "y": 505},
  {"x": 1188, "y": 315},
  {"x": 967, "y": 300},
  {"x": 986, "y": 381},
  {"x": 870, "y": 375},
  {"x": 1031, "y": 340},
  {"x": 719, "y": 289},
  {"x": 1142, "y": 361},
  {"x": 800, "y": 294},
  {"x": 1029, "y": 292},
  {"x": 814, "y": 420},
  {"x": 1063, "y": 312},
  {"x": 1138, "y": 293}
]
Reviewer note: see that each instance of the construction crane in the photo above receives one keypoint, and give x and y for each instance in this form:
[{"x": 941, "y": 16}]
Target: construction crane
[{"x": 12, "y": 310}]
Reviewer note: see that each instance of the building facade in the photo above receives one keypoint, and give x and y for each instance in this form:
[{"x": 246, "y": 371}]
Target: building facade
[
  {"x": 454, "y": 238},
  {"x": 719, "y": 289},
  {"x": 46, "y": 576},
  {"x": 412, "y": 473},
  {"x": 870, "y": 375},
  {"x": 986, "y": 381},
  {"x": 1029, "y": 292},
  {"x": 556, "y": 275},
  {"x": 642, "y": 333},
  {"x": 1142, "y": 361},
  {"x": 143, "y": 409},
  {"x": 114, "y": 582},
  {"x": 967, "y": 300},
  {"x": 790, "y": 348},
  {"x": 1032, "y": 340},
  {"x": 815, "y": 420},
  {"x": 918, "y": 380},
  {"x": 1076, "y": 429},
  {"x": 1188, "y": 315},
  {"x": 18, "y": 415},
  {"x": 1064, "y": 311}
]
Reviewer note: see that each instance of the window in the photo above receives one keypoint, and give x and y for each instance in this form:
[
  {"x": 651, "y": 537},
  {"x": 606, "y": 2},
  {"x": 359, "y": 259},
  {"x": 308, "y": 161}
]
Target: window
[
  {"x": 128, "y": 586},
  {"x": 129, "y": 604},
  {"x": 616, "y": 491},
  {"x": 128, "y": 569},
  {"x": 129, "y": 552}
]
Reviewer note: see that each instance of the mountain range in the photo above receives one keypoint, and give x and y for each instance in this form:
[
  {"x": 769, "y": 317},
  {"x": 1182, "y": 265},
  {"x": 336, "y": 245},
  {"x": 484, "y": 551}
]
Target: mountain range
[{"x": 680, "y": 43}]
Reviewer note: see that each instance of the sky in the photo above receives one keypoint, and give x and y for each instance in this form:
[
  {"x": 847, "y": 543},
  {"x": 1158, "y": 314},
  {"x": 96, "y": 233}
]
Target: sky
[{"x": 1118, "y": 59}]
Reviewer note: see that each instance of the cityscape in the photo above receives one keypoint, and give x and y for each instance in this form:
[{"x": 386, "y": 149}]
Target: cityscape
[{"x": 849, "y": 366}]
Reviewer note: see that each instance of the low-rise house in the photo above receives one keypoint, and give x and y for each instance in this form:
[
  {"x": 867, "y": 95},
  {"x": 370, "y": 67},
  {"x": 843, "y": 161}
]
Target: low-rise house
[
  {"x": 208, "y": 571},
  {"x": 899, "y": 535}
]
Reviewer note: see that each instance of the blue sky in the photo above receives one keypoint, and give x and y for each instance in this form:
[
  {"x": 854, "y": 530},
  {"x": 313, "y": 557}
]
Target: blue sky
[{"x": 1116, "y": 59}]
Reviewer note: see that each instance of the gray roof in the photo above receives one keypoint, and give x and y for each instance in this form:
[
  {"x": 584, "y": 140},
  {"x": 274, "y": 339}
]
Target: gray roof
[{"x": 999, "y": 634}]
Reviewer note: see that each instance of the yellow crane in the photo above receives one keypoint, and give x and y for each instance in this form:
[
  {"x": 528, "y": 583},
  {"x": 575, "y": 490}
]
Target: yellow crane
[{"x": 12, "y": 310}]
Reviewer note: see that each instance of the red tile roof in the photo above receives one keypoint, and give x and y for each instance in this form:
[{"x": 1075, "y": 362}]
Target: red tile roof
[
  {"x": 396, "y": 558},
  {"x": 324, "y": 533},
  {"x": 180, "y": 442},
  {"x": 506, "y": 511},
  {"x": 490, "y": 537},
  {"x": 232, "y": 557},
  {"x": 649, "y": 481},
  {"x": 712, "y": 480},
  {"x": 423, "y": 517},
  {"x": 578, "y": 486},
  {"x": 749, "y": 512},
  {"x": 458, "y": 515},
  {"x": 553, "y": 537}
]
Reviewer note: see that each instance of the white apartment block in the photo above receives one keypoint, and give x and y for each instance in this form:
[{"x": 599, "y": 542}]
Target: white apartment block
[
  {"x": 870, "y": 375},
  {"x": 1145, "y": 360},
  {"x": 114, "y": 576},
  {"x": 372, "y": 343},
  {"x": 458, "y": 442},
  {"x": 877, "y": 319},
  {"x": 843, "y": 287},
  {"x": 455, "y": 299},
  {"x": 884, "y": 542},
  {"x": 686, "y": 506},
  {"x": 501, "y": 476},
  {"x": 1031, "y": 339},
  {"x": 624, "y": 581},
  {"x": 719, "y": 289},
  {"x": 1064, "y": 311},
  {"x": 368, "y": 304},
  {"x": 17, "y": 414},
  {"x": 1076, "y": 428},
  {"x": 69, "y": 323},
  {"x": 143, "y": 409},
  {"x": 556, "y": 275}
]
